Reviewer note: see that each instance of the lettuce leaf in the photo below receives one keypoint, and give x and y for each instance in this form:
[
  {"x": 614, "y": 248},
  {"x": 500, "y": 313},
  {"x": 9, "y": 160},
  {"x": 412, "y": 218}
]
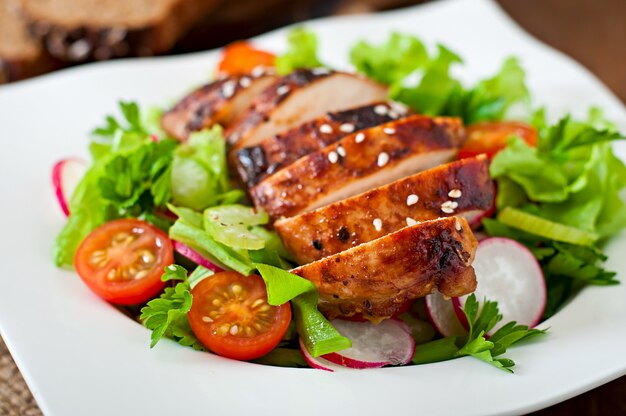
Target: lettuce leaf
[
  {"x": 319, "y": 336},
  {"x": 301, "y": 52},
  {"x": 199, "y": 174},
  {"x": 571, "y": 177},
  {"x": 392, "y": 61}
]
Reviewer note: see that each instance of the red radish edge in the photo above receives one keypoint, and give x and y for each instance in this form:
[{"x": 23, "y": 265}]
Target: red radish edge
[
  {"x": 319, "y": 362},
  {"x": 63, "y": 189},
  {"x": 373, "y": 345},
  {"x": 194, "y": 256},
  {"x": 496, "y": 285},
  {"x": 442, "y": 314}
]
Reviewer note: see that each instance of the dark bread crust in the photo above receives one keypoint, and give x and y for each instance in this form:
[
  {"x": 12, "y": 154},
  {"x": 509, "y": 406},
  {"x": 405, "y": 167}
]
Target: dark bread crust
[{"x": 104, "y": 35}]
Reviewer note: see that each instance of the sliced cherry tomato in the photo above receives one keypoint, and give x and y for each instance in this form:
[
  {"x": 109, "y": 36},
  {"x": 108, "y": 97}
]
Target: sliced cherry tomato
[
  {"x": 491, "y": 137},
  {"x": 231, "y": 317},
  {"x": 240, "y": 58},
  {"x": 123, "y": 260}
]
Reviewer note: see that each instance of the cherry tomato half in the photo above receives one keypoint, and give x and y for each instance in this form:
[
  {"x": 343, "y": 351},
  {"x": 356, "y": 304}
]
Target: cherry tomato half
[
  {"x": 122, "y": 261},
  {"x": 240, "y": 58},
  {"x": 231, "y": 317},
  {"x": 491, "y": 137}
]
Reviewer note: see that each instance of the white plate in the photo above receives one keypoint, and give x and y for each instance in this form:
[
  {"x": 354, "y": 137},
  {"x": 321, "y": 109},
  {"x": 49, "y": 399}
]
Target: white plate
[{"x": 82, "y": 357}]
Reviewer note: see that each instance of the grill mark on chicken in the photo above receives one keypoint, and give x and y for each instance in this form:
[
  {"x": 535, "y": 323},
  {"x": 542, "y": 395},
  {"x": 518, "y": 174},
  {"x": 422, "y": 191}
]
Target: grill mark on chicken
[
  {"x": 318, "y": 179},
  {"x": 255, "y": 163},
  {"x": 216, "y": 103},
  {"x": 348, "y": 223},
  {"x": 378, "y": 277}
]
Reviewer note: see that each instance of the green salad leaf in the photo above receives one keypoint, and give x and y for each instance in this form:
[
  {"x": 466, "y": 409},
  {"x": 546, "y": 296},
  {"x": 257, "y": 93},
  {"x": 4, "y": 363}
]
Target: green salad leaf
[
  {"x": 166, "y": 316},
  {"x": 425, "y": 82},
  {"x": 301, "y": 52},
  {"x": 392, "y": 61},
  {"x": 199, "y": 175},
  {"x": 319, "y": 336},
  {"x": 129, "y": 177},
  {"x": 572, "y": 177},
  {"x": 481, "y": 319}
]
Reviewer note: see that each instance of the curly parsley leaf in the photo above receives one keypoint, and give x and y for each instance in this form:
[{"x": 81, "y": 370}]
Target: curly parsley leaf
[
  {"x": 166, "y": 316},
  {"x": 482, "y": 319}
]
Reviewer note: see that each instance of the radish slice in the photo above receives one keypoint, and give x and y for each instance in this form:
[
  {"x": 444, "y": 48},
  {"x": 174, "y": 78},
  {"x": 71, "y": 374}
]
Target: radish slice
[
  {"x": 373, "y": 345},
  {"x": 319, "y": 362},
  {"x": 66, "y": 174},
  {"x": 194, "y": 256},
  {"x": 441, "y": 313},
  {"x": 508, "y": 273}
]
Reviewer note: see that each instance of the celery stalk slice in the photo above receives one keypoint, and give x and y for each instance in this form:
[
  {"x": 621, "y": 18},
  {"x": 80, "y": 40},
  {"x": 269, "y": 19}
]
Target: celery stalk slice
[{"x": 545, "y": 228}]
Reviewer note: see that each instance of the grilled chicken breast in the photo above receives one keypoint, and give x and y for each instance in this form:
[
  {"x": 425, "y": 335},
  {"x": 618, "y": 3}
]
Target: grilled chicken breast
[
  {"x": 272, "y": 153},
  {"x": 461, "y": 188},
  {"x": 359, "y": 162},
  {"x": 378, "y": 277},
  {"x": 301, "y": 96},
  {"x": 219, "y": 102}
]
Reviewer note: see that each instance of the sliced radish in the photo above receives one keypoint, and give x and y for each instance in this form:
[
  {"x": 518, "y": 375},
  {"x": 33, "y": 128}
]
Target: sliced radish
[
  {"x": 442, "y": 315},
  {"x": 508, "y": 273},
  {"x": 373, "y": 345},
  {"x": 194, "y": 256},
  {"x": 66, "y": 174},
  {"x": 319, "y": 362}
]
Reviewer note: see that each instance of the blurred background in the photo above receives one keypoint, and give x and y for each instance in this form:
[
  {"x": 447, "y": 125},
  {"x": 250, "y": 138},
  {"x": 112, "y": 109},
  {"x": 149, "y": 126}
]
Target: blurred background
[{"x": 39, "y": 36}]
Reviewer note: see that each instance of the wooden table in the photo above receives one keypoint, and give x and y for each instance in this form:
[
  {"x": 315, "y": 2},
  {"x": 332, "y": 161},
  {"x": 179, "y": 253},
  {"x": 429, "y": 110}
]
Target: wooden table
[{"x": 593, "y": 32}]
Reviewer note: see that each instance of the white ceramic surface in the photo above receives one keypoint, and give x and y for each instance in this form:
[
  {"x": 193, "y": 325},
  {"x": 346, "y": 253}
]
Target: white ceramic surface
[{"x": 82, "y": 357}]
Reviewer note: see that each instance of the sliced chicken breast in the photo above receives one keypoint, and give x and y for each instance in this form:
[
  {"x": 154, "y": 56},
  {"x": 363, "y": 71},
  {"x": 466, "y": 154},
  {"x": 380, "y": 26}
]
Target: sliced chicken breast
[
  {"x": 219, "y": 102},
  {"x": 274, "y": 152},
  {"x": 359, "y": 162},
  {"x": 461, "y": 188},
  {"x": 378, "y": 277},
  {"x": 301, "y": 96}
]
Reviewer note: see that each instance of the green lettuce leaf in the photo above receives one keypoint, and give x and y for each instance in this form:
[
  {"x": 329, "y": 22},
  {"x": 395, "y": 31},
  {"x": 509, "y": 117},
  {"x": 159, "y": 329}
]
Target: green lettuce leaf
[
  {"x": 301, "y": 52},
  {"x": 392, "y": 61},
  {"x": 199, "y": 174},
  {"x": 319, "y": 336},
  {"x": 571, "y": 177}
]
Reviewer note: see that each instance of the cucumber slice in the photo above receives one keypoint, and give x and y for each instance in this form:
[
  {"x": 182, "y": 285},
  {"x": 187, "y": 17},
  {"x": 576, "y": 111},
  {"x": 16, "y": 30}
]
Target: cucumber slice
[
  {"x": 230, "y": 225},
  {"x": 546, "y": 228}
]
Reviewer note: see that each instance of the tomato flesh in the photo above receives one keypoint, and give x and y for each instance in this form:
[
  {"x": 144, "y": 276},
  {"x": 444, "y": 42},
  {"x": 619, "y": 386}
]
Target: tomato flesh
[
  {"x": 231, "y": 317},
  {"x": 491, "y": 137},
  {"x": 240, "y": 58},
  {"x": 122, "y": 261}
]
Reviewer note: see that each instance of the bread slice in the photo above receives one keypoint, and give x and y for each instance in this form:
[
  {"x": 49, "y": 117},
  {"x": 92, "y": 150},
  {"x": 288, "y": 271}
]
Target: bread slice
[
  {"x": 100, "y": 29},
  {"x": 20, "y": 55}
]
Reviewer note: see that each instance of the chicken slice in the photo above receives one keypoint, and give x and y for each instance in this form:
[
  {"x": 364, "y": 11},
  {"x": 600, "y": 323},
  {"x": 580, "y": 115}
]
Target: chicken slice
[
  {"x": 359, "y": 162},
  {"x": 274, "y": 152},
  {"x": 378, "y": 277},
  {"x": 464, "y": 185},
  {"x": 301, "y": 96},
  {"x": 219, "y": 102}
]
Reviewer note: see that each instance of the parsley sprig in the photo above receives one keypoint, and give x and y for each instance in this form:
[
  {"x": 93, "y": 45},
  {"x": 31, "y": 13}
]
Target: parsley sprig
[
  {"x": 166, "y": 316},
  {"x": 481, "y": 321}
]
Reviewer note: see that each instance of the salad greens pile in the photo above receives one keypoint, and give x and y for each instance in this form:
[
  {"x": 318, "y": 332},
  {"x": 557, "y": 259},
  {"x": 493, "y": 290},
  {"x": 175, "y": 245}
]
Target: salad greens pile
[{"x": 560, "y": 199}]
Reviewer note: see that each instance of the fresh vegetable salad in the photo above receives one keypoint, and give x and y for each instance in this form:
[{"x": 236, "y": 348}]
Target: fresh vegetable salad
[{"x": 293, "y": 215}]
